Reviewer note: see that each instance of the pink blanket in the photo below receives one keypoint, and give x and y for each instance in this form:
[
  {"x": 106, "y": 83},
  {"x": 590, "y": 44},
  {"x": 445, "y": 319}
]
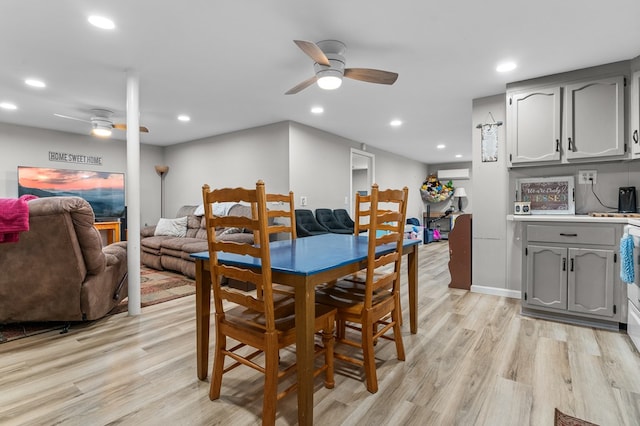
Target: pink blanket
[{"x": 14, "y": 217}]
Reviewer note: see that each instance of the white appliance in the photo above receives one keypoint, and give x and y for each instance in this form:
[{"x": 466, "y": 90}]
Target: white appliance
[{"x": 633, "y": 290}]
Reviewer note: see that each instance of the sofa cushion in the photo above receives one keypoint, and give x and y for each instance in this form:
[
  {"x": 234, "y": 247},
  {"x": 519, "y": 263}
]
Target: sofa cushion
[
  {"x": 189, "y": 248},
  {"x": 152, "y": 244},
  {"x": 172, "y": 227},
  {"x": 193, "y": 225},
  {"x": 147, "y": 231},
  {"x": 151, "y": 260},
  {"x": 186, "y": 211},
  {"x": 242, "y": 237},
  {"x": 177, "y": 243}
]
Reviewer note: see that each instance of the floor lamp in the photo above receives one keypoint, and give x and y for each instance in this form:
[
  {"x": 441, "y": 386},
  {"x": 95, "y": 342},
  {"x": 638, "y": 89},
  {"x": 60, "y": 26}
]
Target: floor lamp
[{"x": 162, "y": 170}]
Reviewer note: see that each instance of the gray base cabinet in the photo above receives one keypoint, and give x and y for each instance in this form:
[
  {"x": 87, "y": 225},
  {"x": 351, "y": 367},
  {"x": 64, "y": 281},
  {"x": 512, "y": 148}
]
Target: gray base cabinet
[{"x": 572, "y": 270}]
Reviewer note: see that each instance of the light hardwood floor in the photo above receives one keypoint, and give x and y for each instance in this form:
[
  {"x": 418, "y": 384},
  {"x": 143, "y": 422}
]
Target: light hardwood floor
[{"x": 475, "y": 360}]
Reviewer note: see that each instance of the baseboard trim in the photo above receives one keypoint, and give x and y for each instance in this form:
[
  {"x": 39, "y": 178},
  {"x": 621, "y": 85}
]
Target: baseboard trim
[{"x": 495, "y": 291}]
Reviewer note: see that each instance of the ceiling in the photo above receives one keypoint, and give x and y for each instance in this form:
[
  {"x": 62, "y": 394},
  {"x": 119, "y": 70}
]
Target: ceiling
[{"x": 228, "y": 64}]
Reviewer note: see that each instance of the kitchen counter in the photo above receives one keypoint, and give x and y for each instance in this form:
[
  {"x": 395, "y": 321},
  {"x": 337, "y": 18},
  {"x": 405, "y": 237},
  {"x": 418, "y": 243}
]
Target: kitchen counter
[{"x": 572, "y": 218}]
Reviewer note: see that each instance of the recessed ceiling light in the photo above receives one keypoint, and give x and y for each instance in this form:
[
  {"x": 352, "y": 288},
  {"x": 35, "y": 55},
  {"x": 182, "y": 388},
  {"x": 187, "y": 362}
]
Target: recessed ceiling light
[
  {"x": 34, "y": 83},
  {"x": 395, "y": 123},
  {"x": 8, "y": 105},
  {"x": 101, "y": 22},
  {"x": 183, "y": 117},
  {"x": 440, "y": 146},
  {"x": 506, "y": 67},
  {"x": 458, "y": 155},
  {"x": 317, "y": 110}
]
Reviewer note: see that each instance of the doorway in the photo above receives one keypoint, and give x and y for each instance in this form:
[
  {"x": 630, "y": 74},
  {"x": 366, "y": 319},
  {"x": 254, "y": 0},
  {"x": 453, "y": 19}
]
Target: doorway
[{"x": 362, "y": 175}]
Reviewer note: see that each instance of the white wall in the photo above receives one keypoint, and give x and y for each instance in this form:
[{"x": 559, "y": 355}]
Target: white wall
[
  {"x": 394, "y": 171},
  {"x": 490, "y": 183},
  {"x": 320, "y": 168},
  {"x": 229, "y": 160},
  {"x": 30, "y": 146}
]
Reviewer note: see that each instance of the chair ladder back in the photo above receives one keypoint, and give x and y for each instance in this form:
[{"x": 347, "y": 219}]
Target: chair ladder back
[
  {"x": 363, "y": 210},
  {"x": 391, "y": 223},
  {"x": 286, "y": 215},
  {"x": 261, "y": 277}
]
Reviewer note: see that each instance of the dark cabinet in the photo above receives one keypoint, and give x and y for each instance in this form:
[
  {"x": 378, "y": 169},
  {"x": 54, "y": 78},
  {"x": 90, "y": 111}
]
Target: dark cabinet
[{"x": 460, "y": 253}]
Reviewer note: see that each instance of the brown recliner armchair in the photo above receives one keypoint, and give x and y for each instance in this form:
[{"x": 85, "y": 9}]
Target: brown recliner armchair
[{"x": 58, "y": 270}]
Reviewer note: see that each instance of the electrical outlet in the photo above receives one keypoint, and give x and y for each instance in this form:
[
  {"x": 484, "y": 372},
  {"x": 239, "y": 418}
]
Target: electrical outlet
[
  {"x": 587, "y": 176},
  {"x": 303, "y": 201}
]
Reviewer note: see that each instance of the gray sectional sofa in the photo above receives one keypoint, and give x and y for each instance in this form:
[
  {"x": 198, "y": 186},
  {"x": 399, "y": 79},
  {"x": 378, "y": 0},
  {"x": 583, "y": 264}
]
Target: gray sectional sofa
[{"x": 166, "y": 252}]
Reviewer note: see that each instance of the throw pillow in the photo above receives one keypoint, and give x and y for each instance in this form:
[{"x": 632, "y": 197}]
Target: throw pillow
[{"x": 172, "y": 227}]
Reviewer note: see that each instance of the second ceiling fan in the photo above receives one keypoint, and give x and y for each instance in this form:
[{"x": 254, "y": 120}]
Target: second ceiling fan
[
  {"x": 102, "y": 123},
  {"x": 329, "y": 67}
]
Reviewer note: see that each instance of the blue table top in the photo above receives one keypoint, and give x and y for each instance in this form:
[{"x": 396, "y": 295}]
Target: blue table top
[{"x": 310, "y": 255}]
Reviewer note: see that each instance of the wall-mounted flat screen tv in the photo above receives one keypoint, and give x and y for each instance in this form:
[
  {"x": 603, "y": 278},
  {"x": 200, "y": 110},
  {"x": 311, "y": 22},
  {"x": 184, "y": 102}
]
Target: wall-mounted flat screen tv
[{"x": 103, "y": 190}]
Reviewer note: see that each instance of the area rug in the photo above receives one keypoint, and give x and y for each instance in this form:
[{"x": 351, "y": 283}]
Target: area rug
[
  {"x": 155, "y": 287},
  {"x": 562, "y": 419}
]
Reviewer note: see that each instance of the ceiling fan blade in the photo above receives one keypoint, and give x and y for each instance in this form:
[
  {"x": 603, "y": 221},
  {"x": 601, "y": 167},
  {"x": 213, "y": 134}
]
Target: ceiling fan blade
[
  {"x": 371, "y": 76},
  {"x": 313, "y": 51},
  {"x": 72, "y": 118},
  {"x": 308, "y": 82},
  {"x": 122, "y": 126}
]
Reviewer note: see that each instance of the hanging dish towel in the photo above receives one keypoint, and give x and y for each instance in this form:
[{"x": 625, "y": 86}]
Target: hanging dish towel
[{"x": 626, "y": 259}]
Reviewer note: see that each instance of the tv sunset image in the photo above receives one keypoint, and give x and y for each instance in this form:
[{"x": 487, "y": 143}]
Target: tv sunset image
[{"x": 104, "y": 191}]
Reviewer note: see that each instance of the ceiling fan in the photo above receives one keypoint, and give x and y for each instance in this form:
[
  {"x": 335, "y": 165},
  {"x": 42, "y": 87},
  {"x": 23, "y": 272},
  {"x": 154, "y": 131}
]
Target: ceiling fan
[
  {"x": 101, "y": 122},
  {"x": 328, "y": 56}
]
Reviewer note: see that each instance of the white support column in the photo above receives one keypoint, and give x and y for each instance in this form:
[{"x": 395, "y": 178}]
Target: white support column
[{"x": 133, "y": 191}]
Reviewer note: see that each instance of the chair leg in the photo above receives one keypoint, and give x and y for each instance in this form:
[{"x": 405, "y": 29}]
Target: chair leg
[
  {"x": 218, "y": 366},
  {"x": 397, "y": 334},
  {"x": 270, "y": 399},
  {"x": 340, "y": 329},
  {"x": 399, "y": 309},
  {"x": 328, "y": 341},
  {"x": 369, "y": 359}
]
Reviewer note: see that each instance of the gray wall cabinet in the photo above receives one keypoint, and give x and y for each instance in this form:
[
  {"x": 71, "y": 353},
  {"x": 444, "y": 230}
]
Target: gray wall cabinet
[
  {"x": 595, "y": 119},
  {"x": 634, "y": 113},
  {"x": 534, "y": 119},
  {"x": 574, "y": 117}
]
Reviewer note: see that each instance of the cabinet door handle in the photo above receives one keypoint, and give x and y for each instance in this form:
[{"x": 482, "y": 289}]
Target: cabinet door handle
[
  {"x": 564, "y": 263},
  {"x": 558, "y": 145},
  {"x": 570, "y": 145},
  {"x": 564, "y": 234},
  {"x": 635, "y": 136},
  {"x": 572, "y": 264}
]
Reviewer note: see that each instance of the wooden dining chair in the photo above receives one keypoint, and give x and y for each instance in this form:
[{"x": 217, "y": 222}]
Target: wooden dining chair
[
  {"x": 260, "y": 325},
  {"x": 281, "y": 220},
  {"x": 362, "y": 224},
  {"x": 281, "y": 215},
  {"x": 372, "y": 308}
]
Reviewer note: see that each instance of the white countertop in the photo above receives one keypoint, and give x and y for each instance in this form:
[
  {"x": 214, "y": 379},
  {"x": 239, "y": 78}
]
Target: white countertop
[{"x": 572, "y": 218}]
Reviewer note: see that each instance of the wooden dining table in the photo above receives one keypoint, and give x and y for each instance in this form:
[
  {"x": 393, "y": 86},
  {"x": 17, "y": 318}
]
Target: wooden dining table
[{"x": 302, "y": 263}]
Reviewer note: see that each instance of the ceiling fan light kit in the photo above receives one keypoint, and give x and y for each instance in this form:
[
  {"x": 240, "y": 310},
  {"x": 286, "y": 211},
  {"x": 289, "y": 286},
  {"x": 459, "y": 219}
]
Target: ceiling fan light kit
[
  {"x": 329, "y": 80},
  {"x": 100, "y": 129},
  {"x": 101, "y": 124}
]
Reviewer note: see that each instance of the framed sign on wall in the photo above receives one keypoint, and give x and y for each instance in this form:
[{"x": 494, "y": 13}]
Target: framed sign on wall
[{"x": 550, "y": 195}]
